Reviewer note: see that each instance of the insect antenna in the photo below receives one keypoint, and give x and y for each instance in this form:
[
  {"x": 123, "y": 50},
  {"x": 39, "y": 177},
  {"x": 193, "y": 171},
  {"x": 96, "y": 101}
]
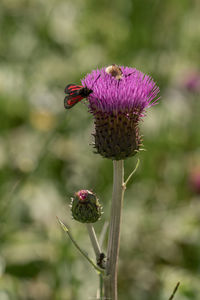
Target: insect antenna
[
  {"x": 129, "y": 74},
  {"x": 95, "y": 80}
]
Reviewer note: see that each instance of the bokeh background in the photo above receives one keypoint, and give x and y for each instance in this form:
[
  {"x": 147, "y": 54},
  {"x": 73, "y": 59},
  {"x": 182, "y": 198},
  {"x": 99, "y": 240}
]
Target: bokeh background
[{"x": 45, "y": 152}]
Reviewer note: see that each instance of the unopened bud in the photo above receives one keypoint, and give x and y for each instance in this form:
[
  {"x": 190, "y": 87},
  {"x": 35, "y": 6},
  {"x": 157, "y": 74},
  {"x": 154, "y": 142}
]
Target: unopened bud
[{"x": 85, "y": 207}]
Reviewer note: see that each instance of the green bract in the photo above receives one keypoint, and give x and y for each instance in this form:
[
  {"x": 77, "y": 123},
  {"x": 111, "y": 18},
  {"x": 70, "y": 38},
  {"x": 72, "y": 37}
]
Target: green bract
[{"x": 85, "y": 207}]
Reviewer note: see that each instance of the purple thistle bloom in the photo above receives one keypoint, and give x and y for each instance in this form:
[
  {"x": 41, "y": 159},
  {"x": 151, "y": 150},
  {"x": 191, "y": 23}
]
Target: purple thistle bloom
[
  {"x": 134, "y": 92},
  {"x": 119, "y": 98}
]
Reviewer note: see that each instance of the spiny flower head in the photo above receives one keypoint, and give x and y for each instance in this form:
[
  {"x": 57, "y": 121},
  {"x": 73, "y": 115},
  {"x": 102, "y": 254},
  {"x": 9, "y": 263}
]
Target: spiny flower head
[
  {"x": 85, "y": 207},
  {"x": 119, "y": 99}
]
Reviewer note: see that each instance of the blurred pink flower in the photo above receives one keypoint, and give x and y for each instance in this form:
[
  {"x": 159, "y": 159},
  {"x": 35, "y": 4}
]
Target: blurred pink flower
[
  {"x": 194, "y": 179},
  {"x": 191, "y": 82}
]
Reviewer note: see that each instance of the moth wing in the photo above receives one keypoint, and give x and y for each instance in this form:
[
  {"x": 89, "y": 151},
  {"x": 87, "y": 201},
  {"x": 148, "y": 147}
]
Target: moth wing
[
  {"x": 71, "y": 100},
  {"x": 72, "y": 89}
]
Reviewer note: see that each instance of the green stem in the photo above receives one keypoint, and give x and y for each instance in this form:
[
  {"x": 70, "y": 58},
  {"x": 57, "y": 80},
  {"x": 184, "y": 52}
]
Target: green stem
[
  {"x": 174, "y": 291},
  {"x": 103, "y": 234},
  {"x": 66, "y": 230},
  {"x": 132, "y": 173},
  {"x": 101, "y": 286},
  {"x": 93, "y": 239},
  {"x": 110, "y": 280},
  {"x": 97, "y": 250}
]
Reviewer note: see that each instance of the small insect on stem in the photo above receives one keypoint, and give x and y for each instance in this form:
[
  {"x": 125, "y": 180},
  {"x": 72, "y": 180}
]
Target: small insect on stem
[{"x": 101, "y": 260}]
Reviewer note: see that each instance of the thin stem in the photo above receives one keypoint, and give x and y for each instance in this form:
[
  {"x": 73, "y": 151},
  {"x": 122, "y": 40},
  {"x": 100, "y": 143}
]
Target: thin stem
[
  {"x": 110, "y": 280},
  {"x": 93, "y": 239},
  {"x": 132, "y": 173},
  {"x": 103, "y": 234},
  {"x": 174, "y": 291},
  {"x": 64, "y": 227},
  {"x": 97, "y": 251},
  {"x": 101, "y": 286}
]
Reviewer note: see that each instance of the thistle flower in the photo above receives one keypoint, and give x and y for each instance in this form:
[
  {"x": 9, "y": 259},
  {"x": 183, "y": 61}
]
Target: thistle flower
[
  {"x": 119, "y": 99},
  {"x": 85, "y": 207}
]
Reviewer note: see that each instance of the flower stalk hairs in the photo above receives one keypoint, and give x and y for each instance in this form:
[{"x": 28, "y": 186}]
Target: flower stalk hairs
[{"x": 117, "y": 98}]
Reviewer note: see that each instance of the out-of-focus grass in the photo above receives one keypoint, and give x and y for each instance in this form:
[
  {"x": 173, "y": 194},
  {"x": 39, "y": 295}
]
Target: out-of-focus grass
[{"x": 45, "y": 154}]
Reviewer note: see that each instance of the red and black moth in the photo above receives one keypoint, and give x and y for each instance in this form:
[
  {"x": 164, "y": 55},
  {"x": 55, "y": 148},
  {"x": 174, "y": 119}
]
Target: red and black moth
[{"x": 75, "y": 93}]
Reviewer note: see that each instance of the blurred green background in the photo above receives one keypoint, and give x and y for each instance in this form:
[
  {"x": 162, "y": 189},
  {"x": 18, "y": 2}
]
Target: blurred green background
[{"x": 45, "y": 154}]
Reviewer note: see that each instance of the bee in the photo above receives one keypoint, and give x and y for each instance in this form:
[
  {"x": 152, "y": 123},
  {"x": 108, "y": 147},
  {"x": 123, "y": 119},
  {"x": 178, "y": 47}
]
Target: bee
[{"x": 114, "y": 71}]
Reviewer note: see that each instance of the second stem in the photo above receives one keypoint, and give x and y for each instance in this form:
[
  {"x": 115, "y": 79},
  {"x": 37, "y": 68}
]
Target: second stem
[{"x": 110, "y": 282}]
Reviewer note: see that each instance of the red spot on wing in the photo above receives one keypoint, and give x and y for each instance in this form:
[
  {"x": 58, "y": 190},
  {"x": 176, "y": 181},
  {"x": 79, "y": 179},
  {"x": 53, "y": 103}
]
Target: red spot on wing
[
  {"x": 72, "y": 88},
  {"x": 75, "y": 99},
  {"x": 70, "y": 101}
]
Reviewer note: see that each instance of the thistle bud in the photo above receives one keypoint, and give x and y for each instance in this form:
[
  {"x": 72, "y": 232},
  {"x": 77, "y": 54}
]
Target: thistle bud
[{"x": 85, "y": 207}]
